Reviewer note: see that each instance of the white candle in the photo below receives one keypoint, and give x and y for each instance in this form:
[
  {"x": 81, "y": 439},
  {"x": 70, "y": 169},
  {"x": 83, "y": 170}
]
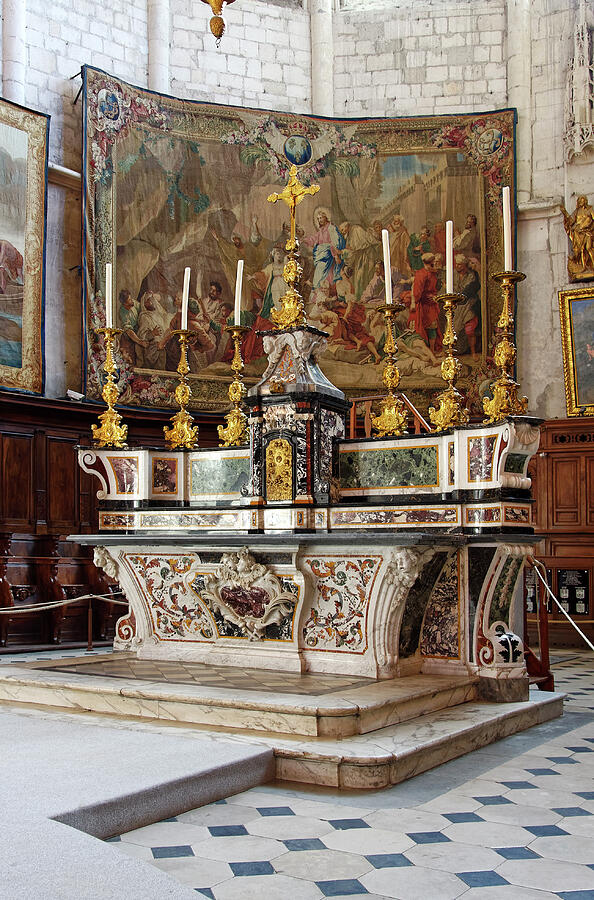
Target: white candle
[
  {"x": 387, "y": 266},
  {"x": 507, "y": 231},
  {"x": 449, "y": 257},
  {"x": 238, "y": 280},
  {"x": 185, "y": 295},
  {"x": 108, "y": 297}
]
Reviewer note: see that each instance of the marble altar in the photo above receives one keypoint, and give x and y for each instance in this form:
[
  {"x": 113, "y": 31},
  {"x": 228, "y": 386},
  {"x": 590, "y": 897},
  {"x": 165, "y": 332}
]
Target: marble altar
[{"x": 308, "y": 552}]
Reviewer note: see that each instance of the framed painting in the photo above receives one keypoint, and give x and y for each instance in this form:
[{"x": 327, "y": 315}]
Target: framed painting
[
  {"x": 23, "y": 201},
  {"x": 576, "y": 308},
  {"x": 172, "y": 183}
]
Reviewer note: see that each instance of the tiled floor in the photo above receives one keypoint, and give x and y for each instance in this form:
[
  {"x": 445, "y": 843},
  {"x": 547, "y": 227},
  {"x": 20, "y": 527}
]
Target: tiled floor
[
  {"x": 513, "y": 820},
  {"x": 214, "y": 676}
]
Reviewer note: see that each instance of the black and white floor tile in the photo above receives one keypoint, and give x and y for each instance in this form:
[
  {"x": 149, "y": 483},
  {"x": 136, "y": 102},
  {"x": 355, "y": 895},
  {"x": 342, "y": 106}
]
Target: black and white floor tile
[{"x": 513, "y": 820}]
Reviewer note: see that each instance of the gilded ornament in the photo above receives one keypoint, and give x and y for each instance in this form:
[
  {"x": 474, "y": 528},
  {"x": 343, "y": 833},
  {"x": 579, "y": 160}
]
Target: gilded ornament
[
  {"x": 292, "y": 311},
  {"x": 217, "y": 23},
  {"x": 183, "y": 433},
  {"x": 110, "y": 433},
  {"x": 580, "y": 231},
  {"x": 279, "y": 470},
  {"x": 451, "y": 410},
  {"x": 393, "y": 418},
  {"x": 235, "y": 432},
  {"x": 505, "y": 400}
]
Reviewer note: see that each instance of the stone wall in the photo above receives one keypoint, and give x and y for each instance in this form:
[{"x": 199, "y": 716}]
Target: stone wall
[
  {"x": 409, "y": 59},
  {"x": 264, "y": 59}
]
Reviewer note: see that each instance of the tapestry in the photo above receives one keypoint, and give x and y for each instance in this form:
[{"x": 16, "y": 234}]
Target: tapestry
[
  {"x": 172, "y": 183},
  {"x": 23, "y": 197}
]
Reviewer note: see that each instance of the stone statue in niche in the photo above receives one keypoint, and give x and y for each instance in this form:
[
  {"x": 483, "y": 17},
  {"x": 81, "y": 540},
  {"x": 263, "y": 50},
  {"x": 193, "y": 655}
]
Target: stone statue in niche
[
  {"x": 247, "y": 594},
  {"x": 580, "y": 230}
]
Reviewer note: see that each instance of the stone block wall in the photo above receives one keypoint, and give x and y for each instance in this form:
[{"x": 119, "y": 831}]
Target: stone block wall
[
  {"x": 419, "y": 59},
  {"x": 264, "y": 59},
  {"x": 63, "y": 35}
]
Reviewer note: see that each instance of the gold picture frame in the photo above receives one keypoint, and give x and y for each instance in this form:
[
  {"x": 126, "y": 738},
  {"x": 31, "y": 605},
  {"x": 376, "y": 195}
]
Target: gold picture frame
[
  {"x": 576, "y": 309},
  {"x": 24, "y": 135}
]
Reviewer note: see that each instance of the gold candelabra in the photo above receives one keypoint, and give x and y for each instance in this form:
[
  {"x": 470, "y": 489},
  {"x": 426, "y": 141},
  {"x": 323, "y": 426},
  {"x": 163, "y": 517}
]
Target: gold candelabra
[
  {"x": 393, "y": 419},
  {"x": 235, "y": 432},
  {"x": 292, "y": 311},
  {"x": 451, "y": 410},
  {"x": 182, "y": 433},
  {"x": 505, "y": 400},
  {"x": 110, "y": 433}
]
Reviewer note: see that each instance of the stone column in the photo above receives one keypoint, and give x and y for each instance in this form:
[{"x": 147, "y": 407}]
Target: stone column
[
  {"x": 14, "y": 49},
  {"x": 322, "y": 58},
  {"x": 158, "y": 46},
  {"x": 519, "y": 91}
]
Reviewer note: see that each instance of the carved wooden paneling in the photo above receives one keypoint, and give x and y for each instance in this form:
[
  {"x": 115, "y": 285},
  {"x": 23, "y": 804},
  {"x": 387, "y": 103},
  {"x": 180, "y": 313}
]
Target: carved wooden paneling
[
  {"x": 565, "y": 490},
  {"x": 564, "y": 487},
  {"x": 589, "y": 492},
  {"x": 62, "y": 506},
  {"x": 16, "y": 505}
]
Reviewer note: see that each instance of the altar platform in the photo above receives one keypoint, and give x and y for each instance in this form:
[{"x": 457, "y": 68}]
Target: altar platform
[{"x": 340, "y": 731}]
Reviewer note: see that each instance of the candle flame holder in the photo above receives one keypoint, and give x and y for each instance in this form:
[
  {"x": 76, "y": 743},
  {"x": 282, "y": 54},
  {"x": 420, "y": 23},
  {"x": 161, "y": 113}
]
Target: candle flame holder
[
  {"x": 183, "y": 434},
  {"x": 505, "y": 400},
  {"x": 235, "y": 432},
  {"x": 393, "y": 419},
  {"x": 110, "y": 433},
  {"x": 451, "y": 410}
]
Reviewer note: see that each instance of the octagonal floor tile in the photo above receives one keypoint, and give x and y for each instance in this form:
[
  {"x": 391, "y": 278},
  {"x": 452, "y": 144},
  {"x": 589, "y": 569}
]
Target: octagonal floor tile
[
  {"x": 511, "y": 814},
  {"x": 368, "y": 841},
  {"x": 547, "y": 874},
  {"x": 272, "y": 887},
  {"x": 407, "y": 820},
  {"x": 414, "y": 883},
  {"x": 197, "y": 873},
  {"x": 245, "y": 848},
  {"x": 570, "y": 848},
  {"x": 489, "y": 834},
  {"x": 322, "y": 865},
  {"x": 454, "y": 857}
]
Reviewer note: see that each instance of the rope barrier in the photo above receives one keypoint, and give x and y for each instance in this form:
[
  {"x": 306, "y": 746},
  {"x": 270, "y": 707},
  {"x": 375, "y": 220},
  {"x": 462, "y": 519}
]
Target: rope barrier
[
  {"x": 41, "y": 607},
  {"x": 537, "y": 565}
]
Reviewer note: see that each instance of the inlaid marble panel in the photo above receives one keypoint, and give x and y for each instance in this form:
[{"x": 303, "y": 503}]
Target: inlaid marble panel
[
  {"x": 389, "y": 467},
  {"x": 504, "y": 589},
  {"x": 172, "y": 609},
  {"x": 481, "y": 451},
  {"x": 479, "y": 560},
  {"x": 440, "y": 636},
  {"x": 416, "y": 604},
  {"x": 515, "y": 463},
  {"x": 412, "y": 517},
  {"x": 125, "y": 471},
  {"x": 338, "y": 617},
  {"x": 219, "y": 475}
]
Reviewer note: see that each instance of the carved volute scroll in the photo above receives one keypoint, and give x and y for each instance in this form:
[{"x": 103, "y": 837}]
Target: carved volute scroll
[{"x": 279, "y": 470}]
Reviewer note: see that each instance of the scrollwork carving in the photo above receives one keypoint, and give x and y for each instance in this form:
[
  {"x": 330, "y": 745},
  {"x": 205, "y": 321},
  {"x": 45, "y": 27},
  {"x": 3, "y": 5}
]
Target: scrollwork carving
[{"x": 246, "y": 594}]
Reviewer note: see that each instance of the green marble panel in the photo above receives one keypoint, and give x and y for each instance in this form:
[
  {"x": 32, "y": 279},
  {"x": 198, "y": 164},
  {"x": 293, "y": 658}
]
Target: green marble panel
[
  {"x": 221, "y": 474},
  {"x": 515, "y": 463},
  {"x": 389, "y": 467}
]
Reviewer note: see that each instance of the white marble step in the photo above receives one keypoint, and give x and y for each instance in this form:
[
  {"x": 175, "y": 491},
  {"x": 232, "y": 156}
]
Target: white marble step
[
  {"x": 353, "y": 710},
  {"x": 398, "y": 752}
]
